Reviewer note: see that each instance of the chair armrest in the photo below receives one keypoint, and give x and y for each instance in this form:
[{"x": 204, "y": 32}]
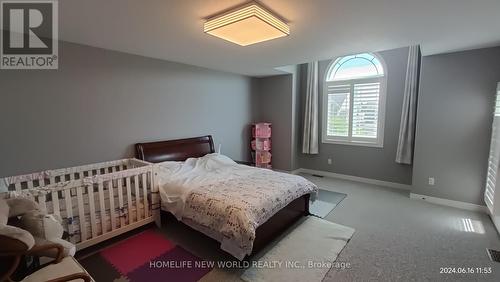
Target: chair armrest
[
  {"x": 14, "y": 240},
  {"x": 82, "y": 275},
  {"x": 68, "y": 248},
  {"x": 39, "y": 248}
]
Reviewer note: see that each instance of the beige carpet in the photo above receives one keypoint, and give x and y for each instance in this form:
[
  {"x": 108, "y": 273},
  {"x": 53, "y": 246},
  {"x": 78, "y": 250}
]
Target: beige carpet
[
  {"x": 401, "y": 239},
  {"x": 321, "y": 241}
]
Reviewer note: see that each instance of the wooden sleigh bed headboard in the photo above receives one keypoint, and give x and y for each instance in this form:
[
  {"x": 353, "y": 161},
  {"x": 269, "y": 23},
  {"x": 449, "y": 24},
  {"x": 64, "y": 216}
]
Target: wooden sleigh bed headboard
[{"x": 175, "y": 150}]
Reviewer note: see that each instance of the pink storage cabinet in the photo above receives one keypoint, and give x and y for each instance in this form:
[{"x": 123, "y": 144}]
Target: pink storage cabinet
[
  {"x": 261, "y": 144},
  {"x": 263, "y": 159},
  {"x": 261, "y": 130}
]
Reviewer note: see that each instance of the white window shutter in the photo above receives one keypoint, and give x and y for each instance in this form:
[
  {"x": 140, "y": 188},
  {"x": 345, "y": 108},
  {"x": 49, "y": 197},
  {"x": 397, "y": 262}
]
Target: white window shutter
[
  {"x": 365, "y": 110},
  {"x": 354, "y": 101},
  {"x": 338, "y": 110}
]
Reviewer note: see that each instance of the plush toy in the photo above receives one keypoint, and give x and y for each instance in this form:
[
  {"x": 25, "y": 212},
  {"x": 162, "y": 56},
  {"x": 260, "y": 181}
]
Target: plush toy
[
  {"x": 12, "y": 240},
  {"x": 45, "y": 228},
  {"x": 41, "y": 225},
  {"x": 7, "y": 230},
  {"x": 20, "y": 206}
]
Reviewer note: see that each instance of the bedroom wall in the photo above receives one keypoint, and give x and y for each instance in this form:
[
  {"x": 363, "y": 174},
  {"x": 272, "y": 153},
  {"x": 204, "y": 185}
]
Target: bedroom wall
[
  {"x": 277, "y": 102},
  {"x": 274, "y": 99},
  {"x": 455, "y": 107},
  {"x": 368, "y": 162},
  {"x": 100, "y": 102}
]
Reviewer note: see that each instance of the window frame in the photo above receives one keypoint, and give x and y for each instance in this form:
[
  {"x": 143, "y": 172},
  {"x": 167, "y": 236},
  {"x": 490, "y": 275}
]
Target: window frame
[{"x": 350, "y": 140}]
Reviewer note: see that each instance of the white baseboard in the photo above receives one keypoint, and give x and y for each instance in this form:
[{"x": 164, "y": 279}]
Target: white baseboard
[
  {"x": 353, "y": 178},
  {"x": 435, "y": 200},
  {"x": 450, "y": 203}
]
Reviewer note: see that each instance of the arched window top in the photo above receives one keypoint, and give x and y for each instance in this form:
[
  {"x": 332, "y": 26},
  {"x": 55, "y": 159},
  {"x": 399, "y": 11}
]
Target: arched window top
[{"x": 357, "y": 66}]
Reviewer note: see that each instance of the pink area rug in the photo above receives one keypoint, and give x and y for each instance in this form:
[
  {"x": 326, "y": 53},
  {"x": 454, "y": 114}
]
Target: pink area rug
[
  {"x": 147, "y": 256},
  {"x": 135, "y": 251}
]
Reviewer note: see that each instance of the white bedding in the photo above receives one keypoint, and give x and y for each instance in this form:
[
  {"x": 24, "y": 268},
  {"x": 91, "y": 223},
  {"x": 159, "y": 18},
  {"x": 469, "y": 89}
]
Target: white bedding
[
  {"x": 178, "y": 179},
  {"x": 225, "y": 200}
]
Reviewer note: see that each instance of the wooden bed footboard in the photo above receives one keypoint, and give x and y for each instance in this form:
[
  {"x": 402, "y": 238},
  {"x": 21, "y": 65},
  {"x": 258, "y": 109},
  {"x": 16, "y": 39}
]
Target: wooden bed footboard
[
  {"x": 280, "y": 222},
  {"x": 273, "y": 227}
]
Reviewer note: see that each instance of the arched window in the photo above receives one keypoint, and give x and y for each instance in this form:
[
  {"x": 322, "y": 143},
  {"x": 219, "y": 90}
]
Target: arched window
[{"x": 354, "y": 100}]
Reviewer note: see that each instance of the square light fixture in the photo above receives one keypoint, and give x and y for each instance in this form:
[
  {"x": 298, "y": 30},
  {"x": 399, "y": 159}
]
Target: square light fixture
[{"x": 247, "y": 25}]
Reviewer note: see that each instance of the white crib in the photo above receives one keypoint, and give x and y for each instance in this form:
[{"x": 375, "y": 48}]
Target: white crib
[{"x": 96, "y": 202}]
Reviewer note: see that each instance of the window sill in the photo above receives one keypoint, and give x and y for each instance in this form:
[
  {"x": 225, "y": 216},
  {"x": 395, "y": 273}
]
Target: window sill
[{"x": 363, "y": 144}]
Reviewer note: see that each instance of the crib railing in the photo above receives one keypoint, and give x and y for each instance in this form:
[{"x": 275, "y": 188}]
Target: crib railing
[{"x": 95, "y": 202}]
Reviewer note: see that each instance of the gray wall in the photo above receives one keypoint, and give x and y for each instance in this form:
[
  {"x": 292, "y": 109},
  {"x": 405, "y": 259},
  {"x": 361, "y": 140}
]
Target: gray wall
[
  {"x": 455, "y": 107},
  {"x": 275, "y": 105},
  {"x": 101, "y": 102},
  {"x": 369, "y": 162}
]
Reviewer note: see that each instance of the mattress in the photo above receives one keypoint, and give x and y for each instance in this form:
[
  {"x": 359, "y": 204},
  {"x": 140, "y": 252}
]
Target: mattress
[{"x": 123, "y": 217}]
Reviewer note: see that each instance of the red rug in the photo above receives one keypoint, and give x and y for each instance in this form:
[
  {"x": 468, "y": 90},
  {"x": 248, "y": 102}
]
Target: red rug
[
  {"x": 133, "y": 252},
  {"x": 147, "y": 256}
]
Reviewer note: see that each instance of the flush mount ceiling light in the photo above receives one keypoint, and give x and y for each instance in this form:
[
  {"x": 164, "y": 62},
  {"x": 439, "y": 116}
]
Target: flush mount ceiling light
[{"x": 247, "y": 25}]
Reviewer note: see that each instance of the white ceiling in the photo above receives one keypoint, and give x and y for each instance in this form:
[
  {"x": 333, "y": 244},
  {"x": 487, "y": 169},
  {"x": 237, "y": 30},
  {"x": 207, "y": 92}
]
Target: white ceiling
[{"x": 320, "y": 29}]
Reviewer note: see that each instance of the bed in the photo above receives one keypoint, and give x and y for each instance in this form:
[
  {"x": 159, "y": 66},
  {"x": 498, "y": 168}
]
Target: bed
[{"x": 167, "y": 154}]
